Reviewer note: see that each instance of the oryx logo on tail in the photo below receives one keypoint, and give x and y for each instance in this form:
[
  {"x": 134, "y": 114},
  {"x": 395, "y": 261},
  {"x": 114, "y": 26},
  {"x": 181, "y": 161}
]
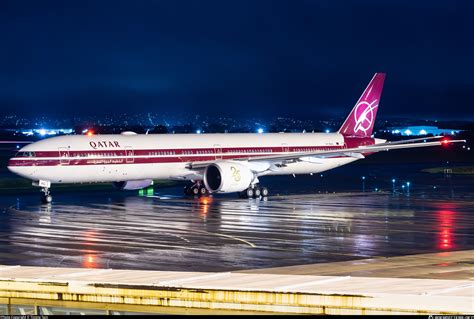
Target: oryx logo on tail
[
  {"x": 360, "y": 122},
  {"x": 364, "y": 116}
]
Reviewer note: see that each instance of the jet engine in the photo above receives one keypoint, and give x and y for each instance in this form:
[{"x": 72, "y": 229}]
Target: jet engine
[
  {"x": 227, "y": 177},
  {"x": 132, "y": 185}
]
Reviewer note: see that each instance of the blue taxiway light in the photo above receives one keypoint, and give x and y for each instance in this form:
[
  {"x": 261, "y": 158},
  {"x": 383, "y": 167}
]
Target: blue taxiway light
[{"x": 260, "y": 131}]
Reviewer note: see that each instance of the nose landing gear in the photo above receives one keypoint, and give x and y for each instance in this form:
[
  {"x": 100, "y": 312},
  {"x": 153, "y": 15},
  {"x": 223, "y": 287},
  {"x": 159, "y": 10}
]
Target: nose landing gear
[{"x": 46, "y": 197}]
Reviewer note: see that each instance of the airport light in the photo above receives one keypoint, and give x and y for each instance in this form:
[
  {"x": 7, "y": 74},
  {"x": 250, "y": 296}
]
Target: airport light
[
  {"x": 260, "y": 130},
  {"x": 198, "y": 131},
  {"x": 393, "y": 184},
  {"x": 42, "y": 132},
  {"x": 327, "y": 131}
]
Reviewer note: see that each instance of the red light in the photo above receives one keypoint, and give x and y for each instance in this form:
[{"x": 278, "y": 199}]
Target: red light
[
  {"x": 204, "y": 202},
  {"x": 445, "y": 142},
  {"x": 445, "y": 219}
]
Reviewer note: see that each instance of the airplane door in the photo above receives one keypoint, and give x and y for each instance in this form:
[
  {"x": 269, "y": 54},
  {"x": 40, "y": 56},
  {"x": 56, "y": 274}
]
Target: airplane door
[
  {"x": 129, "y": 155},
  {"x": 63, "y": 155},
  {"x": 218, "y": 151}
]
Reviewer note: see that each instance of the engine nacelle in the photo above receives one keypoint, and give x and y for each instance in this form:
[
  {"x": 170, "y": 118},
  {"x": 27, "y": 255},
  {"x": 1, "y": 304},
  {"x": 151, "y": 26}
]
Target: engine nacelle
[
  {"x": 227, "y": 177},
  {"x": 132, "y": 185}
]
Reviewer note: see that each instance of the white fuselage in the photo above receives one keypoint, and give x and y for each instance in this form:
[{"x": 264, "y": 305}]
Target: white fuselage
[{"x": 113, "y": 158}]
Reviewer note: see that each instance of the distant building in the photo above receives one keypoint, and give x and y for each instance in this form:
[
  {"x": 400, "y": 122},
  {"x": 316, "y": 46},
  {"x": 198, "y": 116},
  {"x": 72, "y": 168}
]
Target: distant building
[
  {"x": 420, "y": 130},
  {"x": 45, "y": 132}
]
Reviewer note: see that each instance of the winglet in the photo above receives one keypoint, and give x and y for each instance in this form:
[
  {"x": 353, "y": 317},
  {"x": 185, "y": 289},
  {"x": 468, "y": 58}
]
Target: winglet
[{"x": 360, "y": 122}]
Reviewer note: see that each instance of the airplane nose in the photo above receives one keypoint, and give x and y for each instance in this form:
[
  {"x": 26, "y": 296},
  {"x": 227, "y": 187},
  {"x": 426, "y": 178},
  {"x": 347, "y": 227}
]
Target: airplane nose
[{"x": 12, "y": 167}]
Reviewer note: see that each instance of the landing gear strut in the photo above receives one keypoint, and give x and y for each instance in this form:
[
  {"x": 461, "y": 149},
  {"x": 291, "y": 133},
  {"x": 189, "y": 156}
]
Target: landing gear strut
[
  {"x": 254, "y": 191},
  {"x": 197, "y": 189},
  {"x": 46, "y": 197}
]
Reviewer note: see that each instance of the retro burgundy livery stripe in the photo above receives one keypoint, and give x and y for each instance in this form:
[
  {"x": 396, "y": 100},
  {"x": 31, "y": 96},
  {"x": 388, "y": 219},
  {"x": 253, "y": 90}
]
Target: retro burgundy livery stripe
[{"x": 146, "y": 156}]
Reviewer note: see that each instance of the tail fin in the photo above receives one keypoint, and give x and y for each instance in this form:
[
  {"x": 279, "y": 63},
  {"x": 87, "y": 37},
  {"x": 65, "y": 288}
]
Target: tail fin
[{"x": 360, "y": 122}]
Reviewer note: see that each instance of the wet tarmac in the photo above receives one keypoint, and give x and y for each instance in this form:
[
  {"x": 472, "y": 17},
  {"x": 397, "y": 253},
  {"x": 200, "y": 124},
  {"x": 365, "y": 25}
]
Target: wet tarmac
[
  {"x": 309, "y": 222},
  {"x": 220, "y": 234}
]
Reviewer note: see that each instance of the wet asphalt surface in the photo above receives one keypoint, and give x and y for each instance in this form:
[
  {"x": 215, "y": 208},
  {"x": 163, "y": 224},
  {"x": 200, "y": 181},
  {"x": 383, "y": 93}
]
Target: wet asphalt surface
[{"x": 309, "y": 219}]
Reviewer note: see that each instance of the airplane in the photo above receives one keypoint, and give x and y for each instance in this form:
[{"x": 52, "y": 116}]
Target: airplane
[{"x": 214, "y": 163}]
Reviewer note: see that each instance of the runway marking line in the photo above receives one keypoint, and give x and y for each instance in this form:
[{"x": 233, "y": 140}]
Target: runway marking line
[{"x": 235, "y": 238}]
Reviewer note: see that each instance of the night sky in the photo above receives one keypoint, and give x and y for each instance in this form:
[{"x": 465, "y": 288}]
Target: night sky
[{"x": 239, "y": 58}]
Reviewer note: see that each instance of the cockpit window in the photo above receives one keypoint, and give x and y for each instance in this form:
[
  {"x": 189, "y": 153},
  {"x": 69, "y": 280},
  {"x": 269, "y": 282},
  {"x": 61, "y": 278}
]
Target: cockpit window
[{"x": 25, "y": 154}]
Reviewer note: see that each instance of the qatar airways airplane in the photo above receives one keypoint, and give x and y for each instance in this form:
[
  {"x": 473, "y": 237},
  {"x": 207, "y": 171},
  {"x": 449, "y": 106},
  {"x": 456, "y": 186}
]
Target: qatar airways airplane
[{"x": 215, "y": 163}]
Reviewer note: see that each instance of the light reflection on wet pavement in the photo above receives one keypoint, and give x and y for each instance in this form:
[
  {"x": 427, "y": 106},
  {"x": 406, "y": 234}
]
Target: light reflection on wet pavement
[{"x": 114, "y": 230}]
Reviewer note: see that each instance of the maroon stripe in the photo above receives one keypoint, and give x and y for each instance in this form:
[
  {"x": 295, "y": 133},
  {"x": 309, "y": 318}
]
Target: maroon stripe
[
  {"x": 144, "y": 152},
  {"x": 119, "y": 161},
  {"x": 177, "y": 156}
]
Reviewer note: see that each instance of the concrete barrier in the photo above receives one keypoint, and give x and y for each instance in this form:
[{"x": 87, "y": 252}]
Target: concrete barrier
[{"x": 43, "y": 288}]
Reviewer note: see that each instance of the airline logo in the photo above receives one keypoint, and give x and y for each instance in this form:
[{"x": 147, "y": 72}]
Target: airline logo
[
  {"x": 364, "y": 116},
  {"x": 235, "y": 173},
  {"x": 103, "y": 144}
]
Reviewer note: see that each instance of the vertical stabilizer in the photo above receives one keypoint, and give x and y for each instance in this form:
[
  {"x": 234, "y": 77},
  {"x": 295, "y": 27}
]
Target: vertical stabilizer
[{"x": 360, "y": 122}]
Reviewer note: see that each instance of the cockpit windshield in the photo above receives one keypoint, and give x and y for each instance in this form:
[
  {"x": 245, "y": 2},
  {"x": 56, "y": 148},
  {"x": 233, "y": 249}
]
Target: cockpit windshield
[{"x": 25, "y": 154}]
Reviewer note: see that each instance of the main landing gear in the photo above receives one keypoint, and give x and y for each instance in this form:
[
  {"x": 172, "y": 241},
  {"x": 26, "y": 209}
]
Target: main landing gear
[
  {"x": 254, "y": 191},
  {"x": 197, "y": 189}
]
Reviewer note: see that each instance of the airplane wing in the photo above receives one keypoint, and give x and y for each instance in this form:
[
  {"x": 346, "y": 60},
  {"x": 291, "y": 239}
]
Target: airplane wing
[{"x": 314, "y": 156}]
